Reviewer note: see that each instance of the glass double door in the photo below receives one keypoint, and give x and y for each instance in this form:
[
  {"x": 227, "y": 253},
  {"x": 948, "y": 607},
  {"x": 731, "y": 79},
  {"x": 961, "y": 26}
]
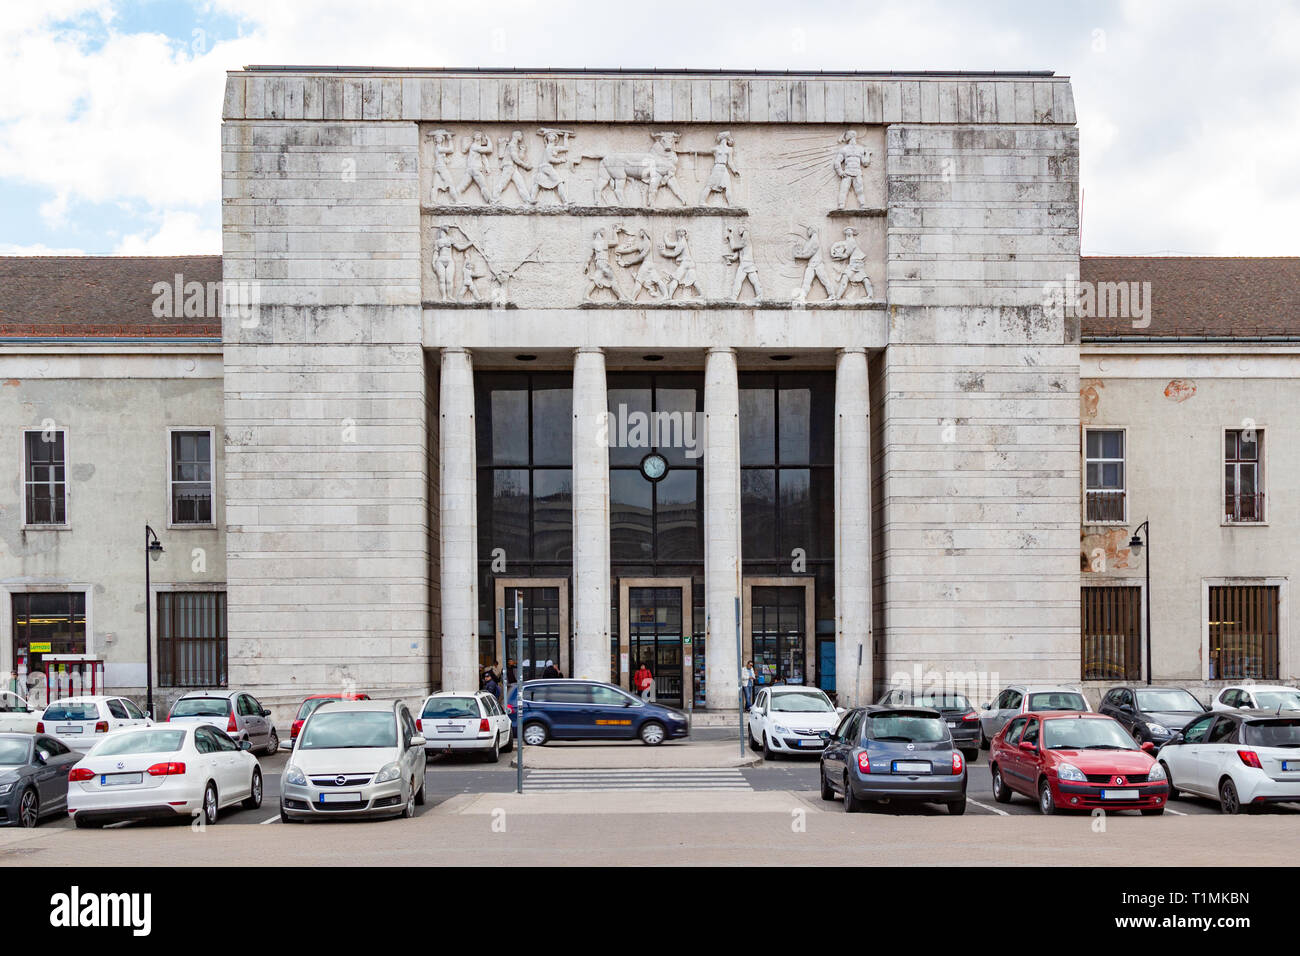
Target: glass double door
[
  {"x": 655, "y": 640},
  {"x": 541, "y": 620},
  {"x": 777, "y": 629}
]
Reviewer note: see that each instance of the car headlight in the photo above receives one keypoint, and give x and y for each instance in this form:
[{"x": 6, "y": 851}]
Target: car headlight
[
  {"x": 390, "y": 772},
  {"x": 1068, "y": 771},
  {"x": 1157, "y": 772},
  {"x": 295, "y": 777},
  {"x": 5, "y": 788},
  {"x": 1160, "y": 730}
]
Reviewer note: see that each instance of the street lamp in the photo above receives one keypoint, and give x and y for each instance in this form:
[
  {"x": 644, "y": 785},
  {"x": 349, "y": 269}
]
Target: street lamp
[
  {"x": 1135, "y": 545},
  {"x": 153, "y": 550}
]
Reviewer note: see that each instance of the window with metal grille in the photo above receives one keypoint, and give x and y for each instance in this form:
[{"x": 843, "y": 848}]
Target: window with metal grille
[
  {"x": 1112, "y": 633},
  {"x": 44, "y": 477},
  {"x": 1243, "y": 475},
  {"x": 192, "y": 649},
  {"x": 191, "y": 477},
  {"x": 1104, "y": 474},
  {"x": 1243, "y": 631}
]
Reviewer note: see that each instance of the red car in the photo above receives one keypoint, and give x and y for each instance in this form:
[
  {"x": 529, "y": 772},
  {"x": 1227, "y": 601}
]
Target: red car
[
  {"x": 311, "y": 703},
  {"x": 1076, "y": 761}
]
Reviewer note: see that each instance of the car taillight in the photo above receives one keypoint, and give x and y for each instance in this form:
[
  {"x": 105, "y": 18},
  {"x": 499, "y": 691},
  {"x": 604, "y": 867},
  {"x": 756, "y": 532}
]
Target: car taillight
[
  {"x": 1250, "y": 759},
  {"x": 40, "y": 726},
  {"x": 165, "y": 769},
  {"x": 231, "y": 726},
  {"x": 864, "y": 762},
  {"x": 970, "y": 718},
  {"x": 956, "y": 762},
  {"x": 80, "y": 773},
  {"x": 510, "y": 709},
  {"x": 101, "y": 727},
  {"x": 483, "y": 725},
  {"x": 419, "y": 725}
]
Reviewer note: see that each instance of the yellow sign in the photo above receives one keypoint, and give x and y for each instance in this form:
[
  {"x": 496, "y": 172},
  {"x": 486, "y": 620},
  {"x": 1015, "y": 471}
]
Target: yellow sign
[{"x": 39, "y": 647}]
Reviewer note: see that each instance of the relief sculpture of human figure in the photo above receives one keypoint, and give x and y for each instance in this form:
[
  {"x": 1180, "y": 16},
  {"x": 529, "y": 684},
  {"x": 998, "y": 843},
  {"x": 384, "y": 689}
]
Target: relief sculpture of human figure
[
  {"x": 724, "y": 167},
  {"x": 638, "y": 251},
  {"x": 675, "y": 246},
  {"x": 599, "y": 271},
  {"x": 849, "y": 163},
  {"x": 545, "y": 175},
  {"x": 512, "y": 157},
  {"x": 742, "y": 255},
  {"x": 444, "y": 261},
  {"x": 816, "y": 269},
  {"x": 443, "y": 150},
  {"x": 477, "y": 152},
  {"x": 849, "y": 251}
]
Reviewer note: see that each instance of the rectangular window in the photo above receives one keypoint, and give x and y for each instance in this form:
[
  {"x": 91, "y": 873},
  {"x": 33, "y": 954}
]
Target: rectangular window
[
  {"x": 1104, "y": 474},
  {"x": 45, "y": 478},
  {"x": 191, "y": 477},
  {"x": 1111, "y": 619},
  {"x": 1243, "y": 475},
  {"x": 192, "y": 650},
  {"x": 47, "y": 623},
  {"x": 1243, "y": 632}
]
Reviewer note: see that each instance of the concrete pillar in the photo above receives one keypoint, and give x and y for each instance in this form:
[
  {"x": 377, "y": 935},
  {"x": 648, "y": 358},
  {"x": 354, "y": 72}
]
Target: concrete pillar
[
  {"x": 852, "y": 528},
  {"x": 458, "y": 503},
  {"x": 591, "y": 638},
  {"x": 721, "y": 526}
]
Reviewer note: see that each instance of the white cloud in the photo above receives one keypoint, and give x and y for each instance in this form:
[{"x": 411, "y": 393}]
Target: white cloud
[
  {"x": 37, "y": 249},
  {"x": 179, "y": 233}
]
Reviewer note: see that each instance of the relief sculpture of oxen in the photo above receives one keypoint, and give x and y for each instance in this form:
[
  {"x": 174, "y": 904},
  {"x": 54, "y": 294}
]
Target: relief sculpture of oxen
[{"x": 654, "y": 168}]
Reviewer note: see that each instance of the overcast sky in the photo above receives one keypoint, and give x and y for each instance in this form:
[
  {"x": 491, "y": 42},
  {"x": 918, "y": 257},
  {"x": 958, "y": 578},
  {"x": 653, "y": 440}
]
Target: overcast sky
[{"x": 1189, "y": 111}]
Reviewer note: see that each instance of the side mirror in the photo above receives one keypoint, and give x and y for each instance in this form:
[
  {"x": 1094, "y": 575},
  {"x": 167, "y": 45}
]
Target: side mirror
[
  {"x": 416, "y": 741},
  {"x": 988, "y": 706},
  {"x": 245, "y": 745},
  {"x": 1027, "y": 746},
  {"x": 1149, "y": 747},
  {"x": 265, "y": 712}
]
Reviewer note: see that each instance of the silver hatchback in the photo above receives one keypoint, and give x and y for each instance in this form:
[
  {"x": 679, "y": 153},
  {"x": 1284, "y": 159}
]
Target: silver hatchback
[{"x": 236, "y": 712}]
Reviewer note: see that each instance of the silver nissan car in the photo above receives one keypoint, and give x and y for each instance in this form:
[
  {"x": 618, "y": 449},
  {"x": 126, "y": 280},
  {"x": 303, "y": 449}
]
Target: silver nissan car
[{"x": 354, "y": 758}]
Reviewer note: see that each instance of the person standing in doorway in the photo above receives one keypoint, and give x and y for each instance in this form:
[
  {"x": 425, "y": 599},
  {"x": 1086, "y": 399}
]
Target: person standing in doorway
[
  {"x": 490, "y": 684},
  {"x": 747, "y": 682},
  {"x": 644, "y": 681},
  {"x": 551, "y": 671},
  {"x": 511, "y": 674}
]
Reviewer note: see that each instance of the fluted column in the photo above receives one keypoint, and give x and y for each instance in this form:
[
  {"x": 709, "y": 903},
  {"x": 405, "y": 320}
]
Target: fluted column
[
  {"x": 458, "y": 503},
  {"x": 852, "y": 527},
  {"x": 721, "y": 525},
  {"x": 591, "y": 638}
]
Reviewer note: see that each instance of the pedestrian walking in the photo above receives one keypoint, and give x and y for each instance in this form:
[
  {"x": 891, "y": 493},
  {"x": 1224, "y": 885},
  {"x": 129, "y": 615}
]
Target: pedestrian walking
[{"x": 644, "y": 681}]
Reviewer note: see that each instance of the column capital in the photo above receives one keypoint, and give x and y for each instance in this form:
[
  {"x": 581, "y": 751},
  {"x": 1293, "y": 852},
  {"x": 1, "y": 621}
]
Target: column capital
[
  {"x": 720, "y": 350},
  {"x": 589, "y": 350},
  {"x": 454, "y": 350},
  {"x": 851, "y": 350}
]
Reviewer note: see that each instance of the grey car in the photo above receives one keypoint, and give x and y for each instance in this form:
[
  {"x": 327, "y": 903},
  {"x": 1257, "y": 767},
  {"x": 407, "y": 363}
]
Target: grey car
[
  {"x": 962, "y": 716},
  {"x": 887, "y": 754},
  {"x": 236, "y": 712},
  {"x": 33, "y": 778},
  {"x": 1027, "y": 698}
]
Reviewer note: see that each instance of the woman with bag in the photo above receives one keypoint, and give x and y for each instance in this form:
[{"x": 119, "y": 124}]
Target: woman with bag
[{"x": 644, "y": 681}]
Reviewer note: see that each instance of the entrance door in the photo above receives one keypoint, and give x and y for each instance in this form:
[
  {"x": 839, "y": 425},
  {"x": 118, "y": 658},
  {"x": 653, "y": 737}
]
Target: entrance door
[
  {"x": 541, "y": 619},
  {"x": 655, "y": 639},
  {"x": 777, "y": 628}
]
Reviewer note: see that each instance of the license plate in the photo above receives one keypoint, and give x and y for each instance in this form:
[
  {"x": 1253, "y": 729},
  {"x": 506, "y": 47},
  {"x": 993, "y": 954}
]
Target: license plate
[
  {"x": 450, "y": 729},
  {"x": 953, "y": 723},
  {"x": 1119, "y": 794},
  {"x": 811, "y": 743},
  {"x": 119, "y": 779},
  {"x": 1290, "y": 765},
  {"x": 340, "y": 798},
  {"x": 68, "y": 730},
  {"x": 911, "y": 766}
]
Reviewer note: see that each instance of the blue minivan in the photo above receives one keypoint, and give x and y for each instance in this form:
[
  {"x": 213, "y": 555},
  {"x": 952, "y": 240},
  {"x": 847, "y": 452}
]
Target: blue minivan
[{"x": 569, "y": 709}]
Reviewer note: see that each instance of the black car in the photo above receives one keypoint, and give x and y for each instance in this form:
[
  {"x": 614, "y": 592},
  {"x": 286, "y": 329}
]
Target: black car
[
  {"x": 33, "y": 778},
  {"x": 884, "y": 754},
  {"x": 962, "y": 716},
  {"x": 1151, "y": 714}
]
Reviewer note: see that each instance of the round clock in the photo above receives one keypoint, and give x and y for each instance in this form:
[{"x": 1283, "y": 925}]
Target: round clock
[{"x": 653, "y": 466}]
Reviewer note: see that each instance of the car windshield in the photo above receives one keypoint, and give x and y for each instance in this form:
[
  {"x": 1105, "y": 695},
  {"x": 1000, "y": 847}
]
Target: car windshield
[
  {"x": 451, "y": 707},
  {"x": 13, "y": 751},
  {"x": 801, "y": 702},
  {"x": 344, "y": 729},
  {"x": 943, "y": 701},
  {"x": 201, "y": 707},
  {"x": 143, "y": 742},
  {"x": 906, "y": 728},
  {"x": 1056, "y": 700},
  {"x": 1273, "y": 699},
  {"x": 1086, "y": 733},
  {"x": 1274, "y": 733},
  {"x": 81, "y": 710},
  {"x": 1167, "y": 700}
]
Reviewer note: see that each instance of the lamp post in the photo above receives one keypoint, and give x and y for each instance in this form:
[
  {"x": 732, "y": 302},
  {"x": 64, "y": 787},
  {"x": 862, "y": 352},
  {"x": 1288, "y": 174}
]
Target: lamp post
[
  {"x": 1135, "y": 545},
  {"x": 153, "y": 550}
]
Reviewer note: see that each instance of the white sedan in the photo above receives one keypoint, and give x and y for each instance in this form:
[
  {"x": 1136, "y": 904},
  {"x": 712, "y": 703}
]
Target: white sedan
[
  {"x": 81, "y": 722},
  {"x": 1242, "y": 758},
  {"x": 1257, "y": 697},
  {"x": 789, "y": 718},
  {"x": 16, "y": 715},
  {"x": 465, "y": 722},
  {"x": 162, "y": 772}
]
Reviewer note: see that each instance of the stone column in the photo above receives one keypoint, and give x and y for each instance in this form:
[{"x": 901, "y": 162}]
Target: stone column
[
  {"x": 721, "y": 526},
  {"x": 852, "y": 528},
  {"x": 458, "y": 502},
  {"x": 591, "y": 638}
]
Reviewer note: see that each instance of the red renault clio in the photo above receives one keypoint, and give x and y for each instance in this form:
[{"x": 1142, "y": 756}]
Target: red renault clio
[{"x": 1076, "y": 761}]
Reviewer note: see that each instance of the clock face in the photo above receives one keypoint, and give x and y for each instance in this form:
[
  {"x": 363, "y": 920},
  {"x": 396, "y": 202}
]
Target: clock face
[{"x": 654, "y": 467}]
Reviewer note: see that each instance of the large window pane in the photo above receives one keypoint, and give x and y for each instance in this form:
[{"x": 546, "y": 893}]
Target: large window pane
[
  {"x": 552, "y": 515},
  {"x": 758, "y": 513},
  {"x": 629, "y": 409},
  {"x": 553, "y": 426},
  {"x": 757, "y": 426},
  {"x": 508, "y": 508},
  {"x": 47, "y": 623},
  {"x": 191, "y": 485},
  {"x": 677, "y": 517},
  {"x": 46, "y": 490},
  {"x": 796, "y": 511},
  {"x": 794, "y": 421},
  {"x": 630, "y": 507}
]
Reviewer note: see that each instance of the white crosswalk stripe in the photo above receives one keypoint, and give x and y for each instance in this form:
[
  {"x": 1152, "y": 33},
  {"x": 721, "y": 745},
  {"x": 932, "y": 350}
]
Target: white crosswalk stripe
[{"x": 633, "y": 779}]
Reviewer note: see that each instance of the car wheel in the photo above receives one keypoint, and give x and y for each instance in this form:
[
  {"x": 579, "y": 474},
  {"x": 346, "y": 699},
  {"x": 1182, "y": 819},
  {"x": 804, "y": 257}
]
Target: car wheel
[
  {"x": 510, "y": 742},
  {"x": 29, "y": 808},
  {"x": 1001, "y": 792},
  {"x": 273, "y": 744},
  {"x": 653, "y": 733},
  {"x": 419, "y": 794},
  {"x": 210, "y": 804},
  {"x": 753, "y": 744},
  {"x": 768, "y": 752},
  {"x": 535, "y": 734},
  {"x": 1169, "y": 777},
  {"x": 971, "y": 754},
  {"x": 1153, "y": 812},
  {"x": 1046, "y": 802},
  {"x": 285, "y": 818},
  {"x": 254, "y": 799},
  {"x": 1229, "y": 801},
  {"x": 957, "y": 807},
  {"x": 828, "y": 792},
  {"x": 984, "y": 741},
  {"x": 851, "y": 802},
  {"x": 408, "y": 811},
  {"x": 494, "y": 753}
]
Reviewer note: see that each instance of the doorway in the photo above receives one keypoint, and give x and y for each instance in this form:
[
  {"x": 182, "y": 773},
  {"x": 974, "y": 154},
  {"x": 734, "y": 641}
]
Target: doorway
[
  {"x": 545, "y": 624},
  {"x": 777, "y": 612},
  {"x": 656, "y": 630}
]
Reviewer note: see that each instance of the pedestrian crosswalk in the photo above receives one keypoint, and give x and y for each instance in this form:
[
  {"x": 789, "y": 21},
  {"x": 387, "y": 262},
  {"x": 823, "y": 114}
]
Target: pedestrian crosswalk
[{"x": 546, "y": 780}]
